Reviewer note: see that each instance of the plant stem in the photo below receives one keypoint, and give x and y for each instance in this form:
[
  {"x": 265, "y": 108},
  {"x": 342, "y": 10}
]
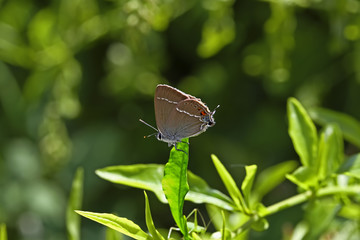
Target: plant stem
[{"x": 302, "y": 197}]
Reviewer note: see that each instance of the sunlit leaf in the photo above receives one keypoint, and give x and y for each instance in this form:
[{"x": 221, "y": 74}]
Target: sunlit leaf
[
  {"x": 302, "y": 132},
  {"x": 229, "y": 184},
  {"x": 75, "y": 203},
  {"x": 349, "y": 126},
  {"x": 248, "y": 182},
  {"x": 175, "y": 183},
  {"x": 119, "y": 224},
  {"x": 331, "y": 150},
  {"x": 149, "y": 221}
]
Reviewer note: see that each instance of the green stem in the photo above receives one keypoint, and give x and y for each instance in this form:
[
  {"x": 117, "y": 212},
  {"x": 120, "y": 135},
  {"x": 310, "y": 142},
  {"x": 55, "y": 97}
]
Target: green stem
[{"x": 302, "y": 197}]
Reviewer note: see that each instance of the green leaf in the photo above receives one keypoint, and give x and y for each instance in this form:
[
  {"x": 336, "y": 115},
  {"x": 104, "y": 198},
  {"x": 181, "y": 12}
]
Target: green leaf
[
  {"x": 304, "y": 177},
  {"x": 143, "y": 176},
  {"x": 123, "y": 225},
  {"x": 351, "y": 166},
  {"x": 248, "y": 182},
  {"x": 302, "y": 132},
  {"x": 223, "y": 229},
  {"x": 331, "y": 151},
  {"x": 175, "y": 183},
  {"x": 149, "y": 221},
  {"x": 270, "y": 178},
  {"x": 3, "y": 233},
  {"x": 149, "y": 176},
  {"x": 230, "y": 185},
  {"x": 348, "y": 125},
  {"x": 75, "y": 202}
]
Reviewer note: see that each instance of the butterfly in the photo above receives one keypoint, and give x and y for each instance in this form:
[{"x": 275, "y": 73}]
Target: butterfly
[{"x": 179, "y": 115}]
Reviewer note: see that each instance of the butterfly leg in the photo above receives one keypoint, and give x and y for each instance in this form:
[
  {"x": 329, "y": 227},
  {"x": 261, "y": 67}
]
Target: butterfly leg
[
  {"x": 186, "y": 142},
  {"x": 180, "y": 150}
]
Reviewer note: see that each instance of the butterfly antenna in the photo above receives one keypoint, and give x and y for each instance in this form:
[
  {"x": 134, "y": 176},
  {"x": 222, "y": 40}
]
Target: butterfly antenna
[
  {"x": 148, "y": 125},
  {"x": 213, "y": 112},
  {"x": 150, "y": 135}
]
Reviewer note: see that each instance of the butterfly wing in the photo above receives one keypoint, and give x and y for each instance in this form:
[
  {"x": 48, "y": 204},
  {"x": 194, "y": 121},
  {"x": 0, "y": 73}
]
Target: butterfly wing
[
  {"x": 197, "y": 109},
  {"x": 165, "y": 101},
  {"x": 190, "y": 119}
]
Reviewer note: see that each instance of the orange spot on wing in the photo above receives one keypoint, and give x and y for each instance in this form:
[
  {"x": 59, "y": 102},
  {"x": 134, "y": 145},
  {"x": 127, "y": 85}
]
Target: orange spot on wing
[{"x": 203, "y": 113}]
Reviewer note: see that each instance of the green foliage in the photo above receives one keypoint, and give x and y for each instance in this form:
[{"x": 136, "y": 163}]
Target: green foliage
[
  {"x": 230, "y": 184},
  {"x": 76, "y": 75},
  {"x": 326, "y": 155},
  {"x": 149, "y": 176}
]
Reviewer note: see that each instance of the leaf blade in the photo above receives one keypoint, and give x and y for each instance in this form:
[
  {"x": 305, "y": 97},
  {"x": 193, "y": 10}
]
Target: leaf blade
[
  {"x": 75, "y": 202},
  {"x": 175, "y": 185},
  {"x": 230, "y": 184},
  {"x": 302, "y": 132},
  {"x": 248, "y": 182},
  {"x": 122, "y": 225},
  {"x": 331, "y": 151},
  {"x": 149, "y": 221}
]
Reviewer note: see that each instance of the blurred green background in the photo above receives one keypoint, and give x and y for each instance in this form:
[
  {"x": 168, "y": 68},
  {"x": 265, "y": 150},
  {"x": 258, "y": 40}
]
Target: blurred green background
[{"x": 76, "y": 75}]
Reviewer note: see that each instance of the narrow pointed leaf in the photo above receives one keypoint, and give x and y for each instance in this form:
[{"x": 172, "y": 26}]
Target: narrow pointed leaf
[
  {"x": 75, "y": 202},
  {"x": 122, "y": 225},
  {"x": 331, "y": 151},
  {"x": 175, "y": 183},
  {"x": 149, "y": 221},
  {"x": 302, "y": 132},
  {"x": 248, "y": 182},
  {"x": 223, "y": 230},
  {"x": 348, "y": 125},
  {"x": 229, "y": 184}
]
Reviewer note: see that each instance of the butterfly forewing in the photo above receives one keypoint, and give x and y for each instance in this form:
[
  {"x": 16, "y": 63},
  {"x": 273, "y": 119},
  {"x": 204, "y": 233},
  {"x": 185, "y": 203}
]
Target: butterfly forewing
[
  {"x": 193, "y": 107},
  {"x": 165, "y": 101}
]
